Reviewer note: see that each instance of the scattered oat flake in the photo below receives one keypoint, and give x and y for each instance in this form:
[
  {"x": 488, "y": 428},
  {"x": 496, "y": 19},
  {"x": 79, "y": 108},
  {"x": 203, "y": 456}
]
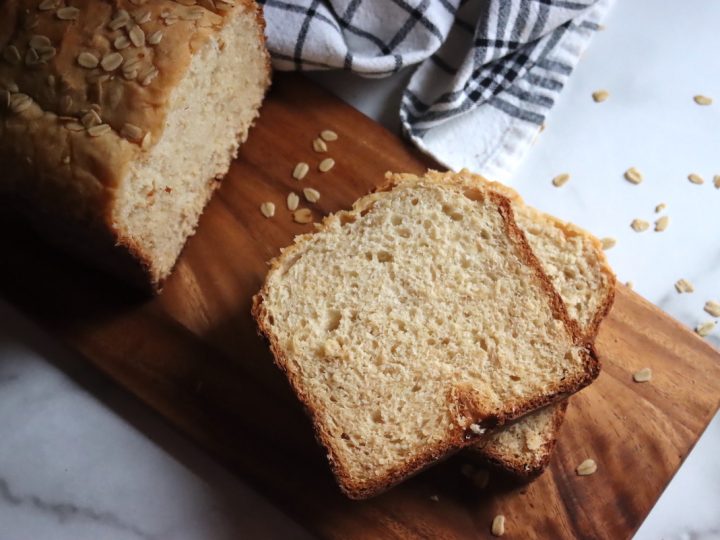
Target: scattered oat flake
[
  {"x": 312, "y": 195},
  {"x": 662, "y": 224},
  {"x": 705, "y": 329},
  {"x": 267, "y": 209},
  {"x": 696, "y": 178},
  {"x": 660, "y": 207},
  {"x": 434, "y": 498},
  {"x": 328, "y": 135},
  {"x": 633, "y": 176},
  {"x": 498, "y": 525},
  {"x": 684, "y": 286},
  {"x": 67, "y": 13},
  {"x": 643, "y": 375},
  {"x": 639, "y": 225},
  {"x": 326, "y": 164},
  {"x": 712, "y": 307},
  {"x": 629, "y": 284},
  {"x": 608, "y": 243},
  {"x": 600, "y": 95},
  {"x": 292, "y": 201},
  {"x": 300, "y": 170},
  {"x": 560, "y": 179},
  {"x": 586, "y": 468},
  {"x": 702, "y": 100},
  {"x": 319, "y": 145},
  {"x": 716, "y": 181},
  {"x": 302, "y": 215}
]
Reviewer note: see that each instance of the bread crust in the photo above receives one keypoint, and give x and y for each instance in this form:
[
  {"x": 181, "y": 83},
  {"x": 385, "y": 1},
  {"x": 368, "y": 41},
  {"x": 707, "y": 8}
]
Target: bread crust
[
  {"x": 467, "y": 408},
  {"x": 63, "y": 176}
]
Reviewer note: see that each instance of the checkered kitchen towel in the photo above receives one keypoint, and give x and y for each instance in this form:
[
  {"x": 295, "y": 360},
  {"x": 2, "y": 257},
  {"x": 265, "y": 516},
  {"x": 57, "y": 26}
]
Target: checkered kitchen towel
[{"x": 488, "y": 71}]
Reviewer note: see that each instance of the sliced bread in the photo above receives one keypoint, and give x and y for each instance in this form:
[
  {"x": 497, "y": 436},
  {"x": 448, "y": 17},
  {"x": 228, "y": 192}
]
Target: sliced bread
[
  {"x": 574, "y": 261},
  {"x": 523, "y": 448},
  {"x": 415, "y": 321}
]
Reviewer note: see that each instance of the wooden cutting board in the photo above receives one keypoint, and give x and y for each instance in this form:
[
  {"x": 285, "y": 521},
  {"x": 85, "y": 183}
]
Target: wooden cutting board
[{"x": 193, "y": 355}]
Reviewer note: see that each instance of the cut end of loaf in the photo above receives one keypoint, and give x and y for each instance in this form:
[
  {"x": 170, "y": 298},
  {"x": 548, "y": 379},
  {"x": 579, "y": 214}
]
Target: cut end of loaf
[
  {"x": 160, "y": 200},
  {"x": 405, "y": 321}
]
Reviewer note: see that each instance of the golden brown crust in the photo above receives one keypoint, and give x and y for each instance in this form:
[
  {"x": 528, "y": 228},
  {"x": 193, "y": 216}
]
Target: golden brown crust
[
  {"x": 47, "y": 92},
  {"x": 467, "y": 407}
]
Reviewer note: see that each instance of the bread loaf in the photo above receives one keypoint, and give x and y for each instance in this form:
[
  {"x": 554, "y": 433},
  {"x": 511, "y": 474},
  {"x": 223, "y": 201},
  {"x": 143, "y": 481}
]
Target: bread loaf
[
  {"x": 414, "y": 322},
  {"x": 117, "y": 119}
]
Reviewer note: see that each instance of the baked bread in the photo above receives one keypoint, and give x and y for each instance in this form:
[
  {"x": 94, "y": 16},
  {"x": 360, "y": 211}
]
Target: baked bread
[
  {"x": 117, "y": 119},
  {"x": 414, "y": 322},
  {"x": 574, "y": 261},
  {"x": 523, "y": 448}
]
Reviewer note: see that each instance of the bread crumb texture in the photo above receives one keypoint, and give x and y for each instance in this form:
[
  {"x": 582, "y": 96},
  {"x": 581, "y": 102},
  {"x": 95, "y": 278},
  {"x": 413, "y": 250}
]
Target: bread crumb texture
[
  {"x": 574, "y": 262},
  {"x": 402, "y": 322}
]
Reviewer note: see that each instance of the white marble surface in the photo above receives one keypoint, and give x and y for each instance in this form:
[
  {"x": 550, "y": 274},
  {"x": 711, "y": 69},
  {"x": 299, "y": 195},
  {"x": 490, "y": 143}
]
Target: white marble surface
[{"x": 82, "y": 459}]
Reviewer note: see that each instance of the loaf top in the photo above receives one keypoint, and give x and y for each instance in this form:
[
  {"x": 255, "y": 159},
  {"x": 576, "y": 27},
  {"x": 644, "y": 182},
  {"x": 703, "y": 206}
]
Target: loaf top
[
  {"x": 120, "y": 59},
  {"x": 84, "y": 84}
]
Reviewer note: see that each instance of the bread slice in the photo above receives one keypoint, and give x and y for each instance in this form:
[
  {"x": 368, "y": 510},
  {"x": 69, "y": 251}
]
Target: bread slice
[
  {"x": 523, "y": 448},
  {"x": 413, "y": 322},
  {"x": 574, "y": 261},
  {"x": 116, "y": 161}
]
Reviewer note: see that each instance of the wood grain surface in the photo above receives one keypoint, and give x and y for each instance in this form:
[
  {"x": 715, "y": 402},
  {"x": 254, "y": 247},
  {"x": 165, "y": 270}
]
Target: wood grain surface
[{"x": 193, "y": 355}]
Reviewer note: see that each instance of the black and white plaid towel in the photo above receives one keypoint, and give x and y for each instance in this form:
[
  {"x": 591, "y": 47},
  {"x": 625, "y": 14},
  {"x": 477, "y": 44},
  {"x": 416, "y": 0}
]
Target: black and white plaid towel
[{"x": 488, "y": 71}]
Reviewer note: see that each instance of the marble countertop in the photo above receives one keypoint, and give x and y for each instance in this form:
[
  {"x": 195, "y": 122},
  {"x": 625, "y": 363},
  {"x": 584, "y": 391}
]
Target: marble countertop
[{"x": 80, "y": 458}]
